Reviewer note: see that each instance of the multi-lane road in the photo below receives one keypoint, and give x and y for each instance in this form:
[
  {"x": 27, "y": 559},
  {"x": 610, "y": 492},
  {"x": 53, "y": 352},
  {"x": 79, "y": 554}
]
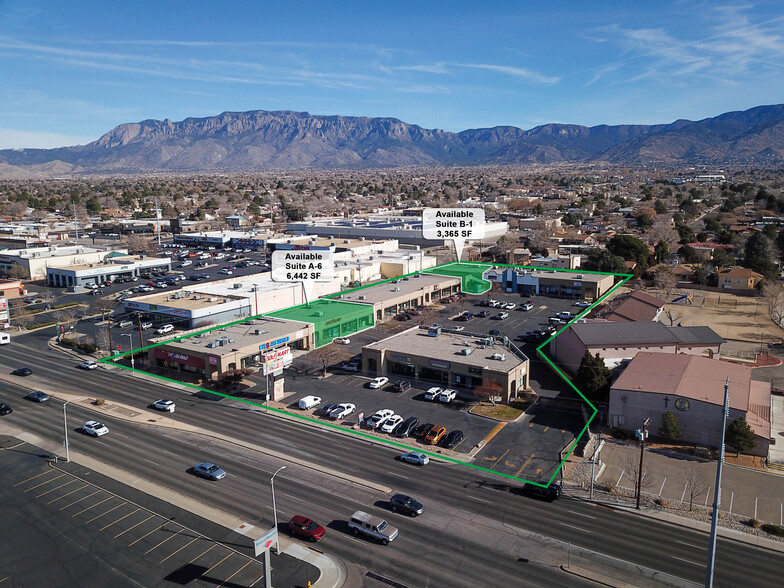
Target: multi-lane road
[{"x": 477, "y": 529}]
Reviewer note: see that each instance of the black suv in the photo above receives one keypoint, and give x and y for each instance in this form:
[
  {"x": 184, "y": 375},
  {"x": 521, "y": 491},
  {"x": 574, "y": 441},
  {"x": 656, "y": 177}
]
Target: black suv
[
  {"x": 549, "y": 493},
  {"x": 406, "y": 504},
  {"x": 401, "y": 386}
]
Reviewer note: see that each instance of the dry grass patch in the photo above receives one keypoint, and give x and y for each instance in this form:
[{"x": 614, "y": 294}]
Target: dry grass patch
[{"x": 501, "y": 412}]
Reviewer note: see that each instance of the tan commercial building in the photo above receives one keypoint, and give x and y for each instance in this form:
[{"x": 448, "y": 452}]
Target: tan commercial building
[
  {"x": 459, "y": 362},
  {"x": 397, "y": 296}
]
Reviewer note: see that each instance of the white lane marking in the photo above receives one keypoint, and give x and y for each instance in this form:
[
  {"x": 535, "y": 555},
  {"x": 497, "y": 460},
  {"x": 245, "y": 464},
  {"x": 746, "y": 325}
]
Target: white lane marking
[
  {"x": 694, "y": 563},
  {"x": 480, "y": 499},
  {"x": 398, "y": 475},
  {"x": 582, "y": 514},
  {"x": 691, "y": 545},
  {"x": 577, "y": 528}
]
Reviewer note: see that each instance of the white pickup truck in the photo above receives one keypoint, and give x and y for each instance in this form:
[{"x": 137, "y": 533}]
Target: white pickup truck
[{"x": 376, "y": 527}]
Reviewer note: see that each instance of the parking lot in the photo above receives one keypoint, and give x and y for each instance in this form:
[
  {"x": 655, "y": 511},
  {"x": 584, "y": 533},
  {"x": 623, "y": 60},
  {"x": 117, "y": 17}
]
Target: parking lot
[
  {"x": 528, "y": 446},
  {"x": 67, "y": 519}
]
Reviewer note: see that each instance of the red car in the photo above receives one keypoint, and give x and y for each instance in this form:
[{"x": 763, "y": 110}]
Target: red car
[{"x": 304, "y": 527}]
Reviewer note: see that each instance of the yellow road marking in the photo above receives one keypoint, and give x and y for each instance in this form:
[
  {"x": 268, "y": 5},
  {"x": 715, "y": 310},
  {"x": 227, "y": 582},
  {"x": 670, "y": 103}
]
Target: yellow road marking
[
  {"x": 499, "y": 459},
  {"x": 82, "y": 498},
  {"x": 250, "y": 561},
  {"x": 545, "y": 429},
  {"x": 33, "y": 478},
  {"x": 162, "y": 542},
  {"x": 104, "y": 513},
  {"x": 217, "y": 564},
  {"x": 93, "y": 506},
  {"x": 527, "y": 461},
  {"x": 490, "y": 458},
  {"x": 202, "y": 553},
  {"x": 180, "y": 549},
  {"x": 509, "y": 464},
  {"x": 538, "y": 471},
  {"x": 148, "y": 534},
  {"x": 57, "y": 488},
  {"x": 136, "y": 525},
  {"x": 44, "y": 483},
  {"x": 121, "y": 518},
  {"x": 67, "y": 494},
  {"x": 494, "y": 432}
]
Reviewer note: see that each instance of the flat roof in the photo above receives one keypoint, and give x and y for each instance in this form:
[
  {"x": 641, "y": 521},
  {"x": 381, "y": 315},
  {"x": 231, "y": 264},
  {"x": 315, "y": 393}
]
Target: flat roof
[
  {"x": 323, "y": 310},
  {"x": 183, "y": 299},
  {"x": 446, "y": 347},
  {"x": 246, "y": 334},
  {"x": 397, "y": 288}
]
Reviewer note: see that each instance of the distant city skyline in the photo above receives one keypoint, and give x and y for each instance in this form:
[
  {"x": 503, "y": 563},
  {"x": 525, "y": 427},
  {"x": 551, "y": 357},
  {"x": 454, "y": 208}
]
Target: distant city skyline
[{"x": 72, "y": 71}]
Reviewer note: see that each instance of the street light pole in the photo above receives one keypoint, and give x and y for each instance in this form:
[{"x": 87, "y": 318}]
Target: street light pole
[
  {"x": 65, "y": 428},
  {"x": 274, "y": 508},
  {"x": 643, "y": 435},
  {"x": 130, "y": 336}
]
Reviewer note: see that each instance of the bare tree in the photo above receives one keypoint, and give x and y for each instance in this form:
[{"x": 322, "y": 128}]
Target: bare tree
[
  {"x": 328, "y": 355},
  {"x": 66, "y": 317},
  {"x": 17, "y": 272},
  {"x": 665, "y": 279},
  {"x": 21, "y": 316},
  {"x": 773, "y": 294},
  {"x": 673, "y": 317},
  {"x": 662, "y": 229},
  {"x": 696, "y": 482},
  {"x": 631, "y": 465},
  {"x": 102, "y": 339},
  {"x": 489, "y": 390},
  {"x": 138, "y": 243}
]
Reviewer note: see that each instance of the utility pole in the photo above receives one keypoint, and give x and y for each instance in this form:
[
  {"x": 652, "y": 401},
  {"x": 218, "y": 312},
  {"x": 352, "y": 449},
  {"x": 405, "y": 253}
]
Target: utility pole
[
  {"x": 158, "y": 221},
  {"x": 717, "y": 491},
  {"x": 76, "y": 222},
  {"x": 642, "y": 435}
]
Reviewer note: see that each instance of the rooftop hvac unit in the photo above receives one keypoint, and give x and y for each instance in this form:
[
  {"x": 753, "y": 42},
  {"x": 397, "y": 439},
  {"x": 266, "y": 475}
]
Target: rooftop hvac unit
[
  {"x": 212, "y": 299},
  {"x": 362, "y": 297},
  {"x": 361, "y": 238},
  {"x": 466, "y": 350},
  {"x": 346, "y": 241},
  {"x": 237, "y": 286},
  {"x": 396, "y": 289},
  {"x": 333, "y": 244},
  {"x": 579, "y": 276},
  {"x": 319, "y": 313},
  {"x": 197, "y": 296}
]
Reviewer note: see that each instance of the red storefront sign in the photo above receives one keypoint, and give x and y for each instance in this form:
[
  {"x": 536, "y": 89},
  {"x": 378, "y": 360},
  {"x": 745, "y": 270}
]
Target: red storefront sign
[{"x": 181, "y": 358}]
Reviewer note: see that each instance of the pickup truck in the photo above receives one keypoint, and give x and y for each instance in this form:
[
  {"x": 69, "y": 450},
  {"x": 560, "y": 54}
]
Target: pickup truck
[{"x": 372, "y": 526}]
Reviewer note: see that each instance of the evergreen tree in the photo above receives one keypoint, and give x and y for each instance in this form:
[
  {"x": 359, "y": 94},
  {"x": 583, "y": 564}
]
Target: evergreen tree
[
  {"x": 630, "y": 248},
  {"x": 601, "y": 260},
  {"x": 670, "y": 429},
  {"x": 661, "y": 251},
  {"x": 740, "y": 436},
  {"x": 593, "y": 377},
  {"x": 756, "y": 256}
]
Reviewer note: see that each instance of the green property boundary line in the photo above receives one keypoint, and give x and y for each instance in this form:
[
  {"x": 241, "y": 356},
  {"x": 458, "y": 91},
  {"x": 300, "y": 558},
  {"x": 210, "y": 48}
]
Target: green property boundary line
[{"x": 626, "y": 277}]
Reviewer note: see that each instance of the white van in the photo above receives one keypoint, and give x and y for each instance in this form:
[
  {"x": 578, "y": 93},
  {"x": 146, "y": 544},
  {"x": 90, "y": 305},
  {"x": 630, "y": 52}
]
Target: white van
[
  {"x": 5, "y": 338},
  {"x": 309, "y": 402}
]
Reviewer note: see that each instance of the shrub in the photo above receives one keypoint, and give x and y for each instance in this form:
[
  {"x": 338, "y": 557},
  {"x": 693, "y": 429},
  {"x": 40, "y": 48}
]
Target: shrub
[
  {"x": 40, "y": 325},
  {"x": 659, "y": 501},
  {"x": 69, "y": 342},
  {"x": 754, "y": 523},
  {"x": 772, "y": 529},
  {"x": 87, "y": 347},
  {"x": 100, "y": 401},
  {"x": 65, "y": 305}
]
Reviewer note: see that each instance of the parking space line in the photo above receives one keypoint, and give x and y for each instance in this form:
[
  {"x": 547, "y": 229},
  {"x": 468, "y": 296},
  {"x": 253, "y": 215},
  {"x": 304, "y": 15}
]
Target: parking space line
[
  {"x": 44, "y": 483},
  {"x": 53, "y": 489},
  {"x": 217, "y": 564},
  {"x": 493, "y": 433},
  {"x": 121, "y": 518},
  {"x": 527, "y": 461},
  {"x": 148, "y": 534},
  {"x": 78, "y": 501},
  {"x": 93, "y": 506},
  {"x": 136, "y": 525},
  {"x": 32, "y": 478},
  {"x": 67, "y": 494},
  {"x": 180, "y": 549},
  {"x": 203, "y": 553},
  {"x": 499, "y": 459},
  {"x": 250, "y": 561},
  {"x": 107, "y": 512},
  {"x": 162, "y": 542}
]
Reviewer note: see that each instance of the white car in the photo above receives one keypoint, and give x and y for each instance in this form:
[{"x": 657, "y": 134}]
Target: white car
[
  {"x": 564, "y": 316},
  {"x": 378, "y": 382},
  {"x": 343, "y": 410},
  {"x": 458, "y": 329},
  {"x": 341, "y": 340},
  {"x": 164, "y": 405},
  {"x": 88, "y": 365},
  {"x": 502, "y": 315},
  {"x": 95, "y": 428},
  {"x": 225, "y": 271},
  {"x": 164, "y": 329},
  {"x": 527, "y": 306},
  {"x": 186, "y": 263},
  {"x": 447, "y": 395},
  {"x": 582, "y": 304},
  {"x": 415, "y": 457},
  {"x": 147, "y": 325},
  {"x": 391, "y": 423},
  {"x": 379, "y": 417},
  {"x": 510, "y": 306},
  {"x": 433, "y": 393}
]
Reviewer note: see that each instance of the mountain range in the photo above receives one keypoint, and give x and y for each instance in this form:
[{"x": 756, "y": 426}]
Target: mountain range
[{"x": 285, "y": 140}]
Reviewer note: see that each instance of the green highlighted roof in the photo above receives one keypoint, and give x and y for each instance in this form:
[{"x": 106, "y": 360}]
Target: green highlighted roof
[
  {"x": 470, "y": 274},
  {"x": 330, "y": 318}
]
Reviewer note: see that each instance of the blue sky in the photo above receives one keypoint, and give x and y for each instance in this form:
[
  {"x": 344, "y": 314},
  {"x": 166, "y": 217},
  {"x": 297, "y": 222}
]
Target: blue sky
[{"x": 71, "y": 71}]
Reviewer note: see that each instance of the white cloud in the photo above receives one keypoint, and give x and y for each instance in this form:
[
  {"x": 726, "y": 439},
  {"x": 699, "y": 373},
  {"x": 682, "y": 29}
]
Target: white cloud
[{"x": 15, "y": 139}]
